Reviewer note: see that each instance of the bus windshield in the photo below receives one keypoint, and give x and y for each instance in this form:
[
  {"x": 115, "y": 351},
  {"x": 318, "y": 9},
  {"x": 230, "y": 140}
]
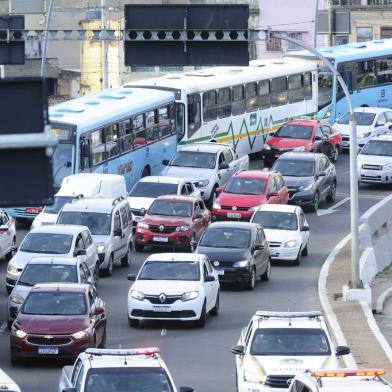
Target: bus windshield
[{"x": 62, "y": 163}]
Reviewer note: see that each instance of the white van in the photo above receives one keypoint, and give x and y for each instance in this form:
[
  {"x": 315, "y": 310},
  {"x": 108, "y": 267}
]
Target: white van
[
  {"x": 79, "y": 185},
  {"x": 7, "y": 383}
]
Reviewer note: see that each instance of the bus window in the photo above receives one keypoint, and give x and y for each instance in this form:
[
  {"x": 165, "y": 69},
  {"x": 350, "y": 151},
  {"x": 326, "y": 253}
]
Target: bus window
[
  {"x": 111, "y": 138},
  {"x": 366, "y": 73},
  {"x": 179, "y": 120},
  {"x": 264, "y": 94},
  {"x": 98, "y": 146},
  {"x": 251, "y": 96},
  {"x": 151, "y": 127},
  {"x": 209, "y": 106},
  {"x": 238, "y": 103},
  {"x": 384, "y": 70},
  {"x": 325, "y": 84},
  {"x": 194, "y": 114},
  {"x": 224, "y": 102},
  {"x": 164, "y": 122},
  {"x": 296, "y": 90},
  {"x": 125, "y": 136},
  {"x": 85, "y": 151},
  {"x": 279, "y": 91},
  {"x": 139, "y": 130},
  {"x": 308, "y": 85}
]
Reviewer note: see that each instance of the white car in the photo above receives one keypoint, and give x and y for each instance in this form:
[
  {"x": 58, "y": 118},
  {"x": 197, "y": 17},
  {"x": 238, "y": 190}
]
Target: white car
[
  {"x": 174, "y": 286},
  {"x": 371, "y": 121},
  {"x": 375, "y": 161},
  {"x": 53, "y": 240},
  {"x": 7, "y": 384},
  {"x": 286, "y": 230},
  {"x": 147, "y": 189},
  {"x": 341, "y": 380},
  {"x": 7, "y": 235},
  {"x": 278, "y": 345}
]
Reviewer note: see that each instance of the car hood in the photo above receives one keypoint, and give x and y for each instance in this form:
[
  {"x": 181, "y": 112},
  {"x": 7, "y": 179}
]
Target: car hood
[
  {"x": 189, "y": 173},
  {"x": 45, "y": 218},
  {"x": 168, "y": 287},
  {"x": 223, "y": 254},
  {"x": 140, "y": 202},
  {"x": 293, "y": 182},
  {"x": 22, "y": 258},
  {"x": 344, "y": 129},
  {"x": 281, "y": 142},
  {"x": 373, "y": 159},
  {"x": 37, "y": 324},
  {"x": 273, "y": 235},
  {"x": 231, "y": 199},
  {"x": 166, "y": 220}
]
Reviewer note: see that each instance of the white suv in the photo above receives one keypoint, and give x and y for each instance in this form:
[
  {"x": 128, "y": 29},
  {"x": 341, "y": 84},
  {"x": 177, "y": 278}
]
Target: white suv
[
  {"x": 147, "y": 189},
  {"x": 277, "y": 345},
  {"x": 110, "y": 223}
]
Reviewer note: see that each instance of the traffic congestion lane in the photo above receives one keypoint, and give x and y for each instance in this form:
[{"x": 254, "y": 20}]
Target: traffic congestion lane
[{"x": 202, "y": 357}]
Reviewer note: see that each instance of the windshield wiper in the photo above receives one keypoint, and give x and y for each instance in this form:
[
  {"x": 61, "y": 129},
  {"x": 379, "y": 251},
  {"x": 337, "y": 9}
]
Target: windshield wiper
[{"x": 25, "y": 283}]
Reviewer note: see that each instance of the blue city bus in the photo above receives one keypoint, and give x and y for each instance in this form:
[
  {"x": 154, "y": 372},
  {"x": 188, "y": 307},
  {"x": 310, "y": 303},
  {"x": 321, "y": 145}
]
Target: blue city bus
[
  {"x": 127, "y": 131},
  {"x": 366, "y": 67}
]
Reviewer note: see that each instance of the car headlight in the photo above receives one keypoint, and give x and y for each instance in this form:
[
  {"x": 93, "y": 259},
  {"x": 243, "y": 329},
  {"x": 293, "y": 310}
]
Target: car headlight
[
  {"x": 16, "y": 299},
  {"x": 142, "y": 225},
  {"x": 253, "y": 377},
  {"x": 138, "y": 295},
  {"x": 300, "y": 148},
  {"x": 182, "y": 228},
  {"x": 82, "y": 334},
  {"x": 216, "y": 206},
  {"x": 267, "y": 147},
  {"x": 202, "y": 183},
  {"x": 100, "y": 248},
  {"x": 12, "y": 269},
  {"x": 18, "y": 333},
  {"x": 305, "y": 187},
  {"x": 291, "y": 244},
  {"x": 241, "y": 264},
  {"x": 189, "y": 295}
]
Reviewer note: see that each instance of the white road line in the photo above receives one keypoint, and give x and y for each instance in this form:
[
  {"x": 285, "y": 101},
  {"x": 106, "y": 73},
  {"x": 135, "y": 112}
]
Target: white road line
[
  {"x": 331, "y": 209},
  {"x": 3, "y": 328},
  {"x": 163, "y": 332},
  {"x": 362, "y": 196},
  {"x": 339, "y": 203}
]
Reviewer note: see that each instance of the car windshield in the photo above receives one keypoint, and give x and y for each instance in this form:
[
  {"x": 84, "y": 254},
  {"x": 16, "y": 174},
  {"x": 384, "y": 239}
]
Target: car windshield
[
  {"x": 226, "y": 237},
  {"x": 377, "y": 147},
  {"x": 171, "y": 208},
  {"x": 52, "y": 243},
  {"x": 47, "y": 273},
  {"x": 57, "y": 205},
  {"x": 290, "y": 341},
  {"x": 276, "y": 220},
  {"x": 291, "y": 131},
  {"x": 294, "y": 168},
  {"x": 246, "y": 186},
  {"x": 203, "y": 160},
  {"x": 128, "y": 379},
  {"x": 55, "y": 304},
  {"x": 360, "y": 117},
  {"x": 170, "y": 270},
  {"x": 98, "y": 223},
  {"x": 153, "y": 189}
]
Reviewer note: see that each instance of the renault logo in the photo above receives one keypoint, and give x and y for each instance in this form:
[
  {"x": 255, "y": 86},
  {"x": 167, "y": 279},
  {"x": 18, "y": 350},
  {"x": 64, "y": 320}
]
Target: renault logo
[
  {"x": 162, "y": 298},
  {"x": 161, "y": 228},
  {"x": 216, "y": 263},
  {"x": 289, "y": 381},
  {"x": 234, "y": 208}
]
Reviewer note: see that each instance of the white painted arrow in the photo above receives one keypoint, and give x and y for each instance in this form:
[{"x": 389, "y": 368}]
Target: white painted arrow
[{"x": 332, "y": 209}]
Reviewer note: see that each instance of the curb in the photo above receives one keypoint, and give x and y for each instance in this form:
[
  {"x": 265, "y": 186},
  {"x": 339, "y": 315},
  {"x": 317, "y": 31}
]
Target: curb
[
  {"x": 382, "y": 298},
  {"x": 332, "y": 320}
]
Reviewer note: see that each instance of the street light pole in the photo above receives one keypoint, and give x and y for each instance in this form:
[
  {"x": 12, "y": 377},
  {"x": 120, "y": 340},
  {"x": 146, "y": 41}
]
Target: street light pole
[
  {"x": 353, "y": 161},
  {"x": 315, "y": 25},
  {"x": 105, "y": 70},
  {"x": 45, "y": 48}
]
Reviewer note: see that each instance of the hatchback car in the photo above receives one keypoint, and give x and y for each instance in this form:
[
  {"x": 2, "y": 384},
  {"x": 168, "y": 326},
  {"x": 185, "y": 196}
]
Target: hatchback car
[
  {"x": 7, "y": 235},
  {"x": 58, "y": 320},
  {"x": 178, "y": 221},
  {"x": 174, "y": 286},
  {"x": 245, "y": 191},
  {"x": 310, "y": 177},
  {"x": 238, "y": 252},
  {"x": 55, "y": 240}
]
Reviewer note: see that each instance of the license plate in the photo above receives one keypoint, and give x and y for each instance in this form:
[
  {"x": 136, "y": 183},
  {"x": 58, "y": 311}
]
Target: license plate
[
  {"x": 345, "y": 144},
  {"x": 233, "y": 215},
  {"x": 166, "y": 309},
  {"x": 32, "y": 210},
  {"x": 48, "y": 350},
  {"x": 273, "y": 252},
  {"x": 220, "y": 271},
  {"x": 161, "y": 239},
  {"x": 370, "y": 173}
]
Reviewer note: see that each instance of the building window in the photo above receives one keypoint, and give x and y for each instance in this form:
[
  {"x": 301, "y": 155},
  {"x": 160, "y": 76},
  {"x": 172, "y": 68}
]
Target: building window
[
  {"x": 340, "y": 39},
  {"x": 138, "y": 68},
  {"x": 364, "y": 34},
  {"x": 386, "y": 32},
  {"x": 273, "y": 44},
  {"x": 292, "y": 46}
]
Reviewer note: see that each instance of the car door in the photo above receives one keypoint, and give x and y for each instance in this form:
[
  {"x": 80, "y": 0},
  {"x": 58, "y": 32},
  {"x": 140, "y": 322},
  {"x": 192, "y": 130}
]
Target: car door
[
  {"x": 325, "y": 181},
  {"x": 318, "y": 134},
  {"x": 273, "y": 195},
  {"x": 224, "y": 173},
  {"x": 85, "y": 274},
  {"x": 209, "y": 287},
  {"x": 81, "y": 249},
  {"x": 231, "y": 161},
  {"x": 197, "y": 219},
  {"x": 5, "y": 234},
  {"x": 283, "y": 192},
  {"x": 380, "y": 125},
  {"x": 262, "y": 255},
  {"x": 301, "y": 223},
  {"x": 97, "y": 320},
  {"x": 117, "y": 235},
  {"x": 126, "y": 229},
  {"x": 388, "y": 116},
  {"x": 91, "y": 252}
]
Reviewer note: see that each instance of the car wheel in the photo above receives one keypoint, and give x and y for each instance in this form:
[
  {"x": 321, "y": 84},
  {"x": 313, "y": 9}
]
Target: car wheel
[
  {"x": 215, "y": 310},
  {"x": 316, "y": 201},
  {"x": 133, "y": 322},
  {"x": 103, "y": 339},
  {"x": 9, "y": 255},
  {"x": 267, "y": 274},
  {"x": 203, "y": 317},
  {"x": 297, "y": 261},
  {"x": 305, "y": 251},
  {"x": 126, "y": 260},
  {"x": 109, "y": 268},
  {"x": 332, "y": 193},
  {"x": 252, "y": 280},
  {"x": 139, "y": 247}
]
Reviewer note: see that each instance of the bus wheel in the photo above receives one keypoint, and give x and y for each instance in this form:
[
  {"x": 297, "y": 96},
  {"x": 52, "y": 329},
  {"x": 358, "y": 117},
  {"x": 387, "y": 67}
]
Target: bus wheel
[{"x": 146, "y": 172}]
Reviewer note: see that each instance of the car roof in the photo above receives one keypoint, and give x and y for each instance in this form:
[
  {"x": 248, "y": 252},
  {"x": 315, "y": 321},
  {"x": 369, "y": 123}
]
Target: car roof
[
  {"x": 54, "y": 260},
  {"x": 178, "y": 198},
  {"x": 61, "y": 287},
  {"x": 278, "y": 207},
  {"x": 387, "y": 138},
  {"x": 91, "y": 204},
  {"x": 255, "y": 174},
  {"x": 162, "y": 179},
  {"x": 289, "y": 322},
  {"x": 59, "y": 229},
  {"x": 205, "y": 147},
  {"x": 233, "y": 225},
  {"x": 349, "y": 384},
  {"x": 371, "y": 109},
  {"x": 301, "y": 156},
  {"x": 305, "y": 122},
  {"x": 185, "y": 257}
]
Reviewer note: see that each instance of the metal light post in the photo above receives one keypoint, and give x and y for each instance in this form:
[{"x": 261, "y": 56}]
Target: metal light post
[
  {"x": 353, "y": 161},
  {"x": 45, "y": 48},
  {"x": 315, "y": 25}
]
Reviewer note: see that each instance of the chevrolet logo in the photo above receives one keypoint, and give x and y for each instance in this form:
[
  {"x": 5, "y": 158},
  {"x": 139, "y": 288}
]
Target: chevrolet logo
[{"x": 48, "y": 337}]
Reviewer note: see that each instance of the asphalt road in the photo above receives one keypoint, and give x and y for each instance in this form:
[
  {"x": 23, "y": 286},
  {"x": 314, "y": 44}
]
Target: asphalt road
[{"x": 201, "y": 357}]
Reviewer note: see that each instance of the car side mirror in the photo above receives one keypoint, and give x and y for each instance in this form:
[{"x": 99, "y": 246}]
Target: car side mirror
[
  {"x": 342, "y": 350},
  {"x": 4, "y": 227},
  {"x": 380, "y": 124},
  {"x": 131, "y": 277},
  {"x": 80, "y": 252},
  {"x": 71, "y": 389},
  {"x": 317, "y": 138},
  {"x": 258, "y": 247},
  {"x": 209, "y": 278},
  {"x": 238, "y": 350},
  {"x": 322, "y": 174},
  {"x": 305, "y": 228},
  {"x": 165, "y": 162},
  {"x": 223, "y": 166},
  {"x": 98, "y": 310},
  {"x": 186, "y": 389}
]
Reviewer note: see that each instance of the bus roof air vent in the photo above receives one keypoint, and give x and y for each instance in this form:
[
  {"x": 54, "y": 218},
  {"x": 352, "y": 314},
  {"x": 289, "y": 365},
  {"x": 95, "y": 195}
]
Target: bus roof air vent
[
  {"x": 92, "y": 103},
  {"x": 70, "y": 110},
  {"x": 278, "y": 62},
  {"x": 111, "y": 96},
  {"x": 173, "y": 77},
  {"x": 200, "y": 74},
  {"x": 127, "y": 91},
  {"x": 57, "y": 115},
  {"x": 380, "y": 41}
]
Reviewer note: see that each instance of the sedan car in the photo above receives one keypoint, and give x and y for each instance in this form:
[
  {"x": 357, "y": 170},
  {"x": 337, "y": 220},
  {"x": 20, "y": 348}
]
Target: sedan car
[
  {"x": 7, "y": 235},
  {"x": 54, "y": 240},
  {"x": 245, "y": 191},
  {"x": 174, "y": 286},
  {"x": 46, "y": 270},
  {"x": 238, "y": 251},
  {"x": 286, "y": 230},
  {"x": 178, "y": 221},
  {"x": 370, "y": 122},
  {"x": 310, "y": 177},
  {"x": 58, "y": 320}
]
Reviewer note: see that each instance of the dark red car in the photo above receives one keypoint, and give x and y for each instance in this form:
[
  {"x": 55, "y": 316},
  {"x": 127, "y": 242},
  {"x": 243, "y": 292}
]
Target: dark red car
[
  {"x": 58, "y": 320},
  {"x": 178, "y": 221},
  {"x": 245, "y": 191},
  {"x": 299, "y": 135}
]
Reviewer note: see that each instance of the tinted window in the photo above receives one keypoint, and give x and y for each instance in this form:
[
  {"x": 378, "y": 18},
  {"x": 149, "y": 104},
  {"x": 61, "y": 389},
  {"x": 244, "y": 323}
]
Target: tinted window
[
  {"x": 171, "y": 270},
  {"x": 47, "y": 243},
  {"x": 238, "y": 104},
  {"x": 279, "y": 91},
  {"x": 294, "y": 168},
  {"x": 98, "y": 146},
  {"x": 226, "y": 238},
  {"x": 171, "y": 208},
  {"x": 139, "y": 130},
  {"x": 153, "y": 189},
  {"x": 377, "y": 147},
  {"x": 276, "y": 220},
  {"x": 296, "y": 90},
  {"x": 361, "y": 118},
  {"x": 308, "y": 85},
  {"x": 194, "y": 114},
  {"x": 125, "y": 141},
  {"x": 366, "y": 73},
  {"x": 246, "y": 186},
  {"x": 384, "y": 70},
  {"x": 111, "y": 138},
  {"x": 291, "y": 131},
  {"x": 47, "y": 273},
  {"x": 224, "y": 102},
  {"x": 209, "y": 106},
  {"x": 124, "y": 216},
  {"x": 57, "y": 205},
  {"x": 228, "y": 156},
  {"x": 205, "y": 160},
  {"x": 99, "y": 224},
  {"x": 264, "y": 94},
  {"x": 251, "y": 97}
]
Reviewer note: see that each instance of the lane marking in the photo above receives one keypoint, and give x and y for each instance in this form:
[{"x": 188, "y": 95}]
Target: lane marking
[
  {"x": 362, "y": 196},
  {"x": 331, "y": 209},
  {"x": 3, "y": 328},
  {"x": 163, "y": 332}
]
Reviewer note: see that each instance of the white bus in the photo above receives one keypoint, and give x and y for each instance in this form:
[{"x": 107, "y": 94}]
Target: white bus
[{"x": 241, "y": 105}]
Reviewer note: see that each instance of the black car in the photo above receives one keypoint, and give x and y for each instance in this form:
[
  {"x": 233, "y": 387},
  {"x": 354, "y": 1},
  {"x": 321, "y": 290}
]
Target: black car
[
  {"x": 238, "y": 252},
  {"x": 310, "y": 177}
]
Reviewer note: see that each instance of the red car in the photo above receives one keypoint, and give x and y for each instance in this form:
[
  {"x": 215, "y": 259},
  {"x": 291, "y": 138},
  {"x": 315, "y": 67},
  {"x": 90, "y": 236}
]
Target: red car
[
  {"x": 178, "y": 221},
  {"x": 245, "y": 191},
  {"x": 58, "y": 320},
  {"x": 299, "y": 135}
]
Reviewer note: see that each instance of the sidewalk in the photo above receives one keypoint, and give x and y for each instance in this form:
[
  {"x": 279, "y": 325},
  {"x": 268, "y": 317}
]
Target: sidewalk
[{"x": 353, "y": 321}]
